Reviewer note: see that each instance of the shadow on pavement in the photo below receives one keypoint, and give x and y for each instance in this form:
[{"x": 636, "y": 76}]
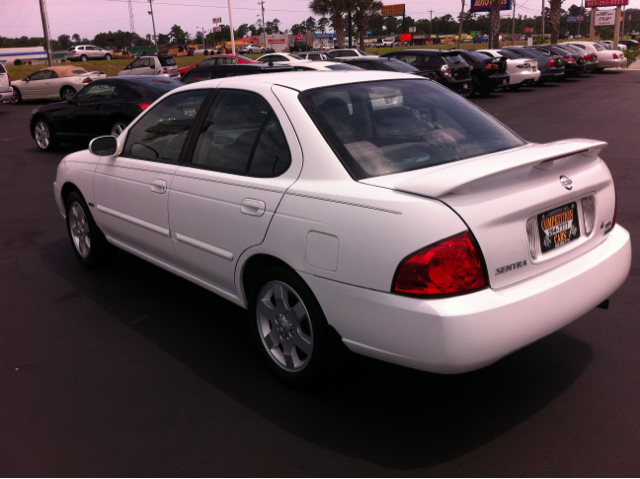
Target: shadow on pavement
[{"x": 384, "y": 414}]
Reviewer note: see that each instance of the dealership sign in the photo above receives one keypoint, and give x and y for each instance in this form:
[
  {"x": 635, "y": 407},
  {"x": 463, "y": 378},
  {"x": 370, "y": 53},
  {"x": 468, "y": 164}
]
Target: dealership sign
[
  {"x": 605, "y": 17},
  {"x": 575, "y": 19},
  {"x": 392, "y": 10},
  {"x": 324, "y": 35},
  {"x": 217, "y": 20},
  {"x": 605, "y": 3},
  {"x": 528, "y": 30},
  {"x": 485, "y": 5}
]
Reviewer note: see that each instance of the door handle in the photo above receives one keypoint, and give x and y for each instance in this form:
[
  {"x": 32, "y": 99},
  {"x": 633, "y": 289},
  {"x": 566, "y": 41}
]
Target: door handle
[
  {"x": 159, "y": 186},
  {"x": 253, "y": 207}
]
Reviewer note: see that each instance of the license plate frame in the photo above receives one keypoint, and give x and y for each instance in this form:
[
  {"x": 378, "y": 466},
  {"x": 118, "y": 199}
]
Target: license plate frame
[{"x": 558, "y": 227}]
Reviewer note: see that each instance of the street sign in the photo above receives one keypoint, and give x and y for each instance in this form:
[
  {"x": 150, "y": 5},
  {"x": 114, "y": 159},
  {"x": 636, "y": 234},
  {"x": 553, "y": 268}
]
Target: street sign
[
  {"x": 369, "y": 32},
  {"x": 572, "y": 19},
  {"x": 605, "y": 17},
  {"x": 216, "y": 29},
  {"x": 528, "y": 30},
  {"x": 392, "y": 10},
  {"x": 485, "y": 5},
  {"x": 405, "y": 37},
  {"x": 412, "y": 29},
  {"x": 605, "y": 3},
  {"x": 217, "y": 20}
]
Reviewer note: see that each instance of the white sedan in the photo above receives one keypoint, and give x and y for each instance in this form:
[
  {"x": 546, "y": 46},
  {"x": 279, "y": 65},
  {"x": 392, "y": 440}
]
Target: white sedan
[
  {"x": 606, "y": 58},
  {"x": 375, "y": 208},
  {"x": 283, "y": 59},
  {"x": 522, "y": 71},
  {"x": 53, "y": 83}
]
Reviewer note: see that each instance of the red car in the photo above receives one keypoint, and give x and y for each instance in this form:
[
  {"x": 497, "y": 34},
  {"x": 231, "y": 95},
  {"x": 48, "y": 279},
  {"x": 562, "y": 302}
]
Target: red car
[{"x": 218, "y": 60}]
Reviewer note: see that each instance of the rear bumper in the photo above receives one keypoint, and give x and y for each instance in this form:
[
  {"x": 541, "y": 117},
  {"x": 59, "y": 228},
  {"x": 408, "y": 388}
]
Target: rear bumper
[
  {"x": 454, "y": 335},
  {"x": 6, "y": 95},
  {"x": 457, "y": 86},
  {"x": 524, "y": 78},
  {"x": 613, "y": 63}
]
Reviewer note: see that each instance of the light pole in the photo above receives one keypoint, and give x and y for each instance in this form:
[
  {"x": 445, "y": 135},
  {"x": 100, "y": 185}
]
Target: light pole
[
  {"x": 155, "y": 37},
  {"x": 460, "y": 26},
  {"x": 233, "y": 40},
  {"x": 264, "y": 30}
]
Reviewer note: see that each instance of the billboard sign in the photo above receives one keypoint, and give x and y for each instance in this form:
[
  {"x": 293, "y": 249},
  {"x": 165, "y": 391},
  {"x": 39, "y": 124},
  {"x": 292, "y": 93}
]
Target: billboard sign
[
  {"x": 605, "y": 17},
  {"x": 216, "y": 29},
  {"x": 392, "y": 10},
  {"x": 528, "y": 30},
  {"x": 412, "y": 29},
  {"x": 405, "y": 37},
  {"x": 575, "y": 19},
  {"x": 605, "y": 3},
  {"x": 217, "y": 20},
  {"x": 485, "y": 5},
  {"x": 324, "y": 35}
]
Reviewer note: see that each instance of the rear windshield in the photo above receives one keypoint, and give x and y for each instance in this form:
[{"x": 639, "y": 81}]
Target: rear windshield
[
  {"x": 477, "y": 56},
  {"x": 167, "y": 61},
  {"x": 385, "y": 127},
  {"x": 533, "y": 52},
  {"x": 2, "y": 69},
  {"x": 453, "y": 59},
  {"x": 344, "y": 67},
  {"x": 508, "y": 54},
  {"x": 79, "y": 72},
  {"x": 598, "y": 47},
  {"x": 401, "y": 66}
]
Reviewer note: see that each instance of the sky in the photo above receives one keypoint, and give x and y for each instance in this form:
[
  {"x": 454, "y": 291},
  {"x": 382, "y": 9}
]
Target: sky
[{"x": 90, "y": 17}]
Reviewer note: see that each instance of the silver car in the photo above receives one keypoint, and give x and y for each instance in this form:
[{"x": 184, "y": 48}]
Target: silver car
[
  {"x": 5, "y": 85},
  {"x": 252, "y": 49},
  {"x": 87, "y": 52},
  {"x": 152, "y": 65}
]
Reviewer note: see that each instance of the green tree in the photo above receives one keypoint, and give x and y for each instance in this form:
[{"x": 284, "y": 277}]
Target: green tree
[
  {"x": 242, "y": 31},
  {"x": 555, "y": 13},
  {"x": 334, "y": 9},
  {"x": 76, "y": 38},
  {"x": 363, "y": 10},
  {"x": 323, "y": 23},
  {"x": 64, "y": 41},
  {"x": 177, "y": 35},
  {"x": 310, "y": 24}
]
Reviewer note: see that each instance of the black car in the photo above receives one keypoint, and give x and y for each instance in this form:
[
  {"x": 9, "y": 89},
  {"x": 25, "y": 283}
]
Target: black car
[
  {"x": 104, "y": 107},
  {"x": 387, "y": 64},
  {"x": 449, "y": 67},
  {"x": 551, "y": 66},
  {"x": 574, "y": 63},
  {"x": 221, "y": 71},
  {"x": 488, "y": 73}
]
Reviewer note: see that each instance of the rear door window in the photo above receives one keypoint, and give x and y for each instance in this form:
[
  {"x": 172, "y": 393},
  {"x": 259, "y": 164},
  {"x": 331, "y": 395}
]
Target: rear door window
[{"x": 167, "y": 61}]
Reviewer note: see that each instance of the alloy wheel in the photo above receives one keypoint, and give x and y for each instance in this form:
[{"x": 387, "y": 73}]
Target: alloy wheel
[
  {"x": 79, "y": 229},
  {"x": 15, "y": 98},
  {"x": 117, "y": 129},
  {"x": 284, "y": 326},
  {"x": 42, "y": 135},
  {"x": 67, "y": 94}
]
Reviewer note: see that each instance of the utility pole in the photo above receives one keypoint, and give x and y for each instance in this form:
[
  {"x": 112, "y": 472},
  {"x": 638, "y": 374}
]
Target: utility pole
[
  {"x": 430, "y": 24},
  {"x": 264, "y": 28},
  {"x": 460, "y": 26},
  {"x": 233, "y": 40},
  {"x": 543, "y": 19},
  {"x": 624, "y": 9},
  {"x": 155, "y": 37},
  {"x": 513, "y": 24},
  {"x": 45, "y": 28}
]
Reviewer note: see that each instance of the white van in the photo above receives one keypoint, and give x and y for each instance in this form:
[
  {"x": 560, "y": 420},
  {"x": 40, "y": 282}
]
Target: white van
[
  {"x": 5, "y": 85},
  {"x": 18, "y": 56}
]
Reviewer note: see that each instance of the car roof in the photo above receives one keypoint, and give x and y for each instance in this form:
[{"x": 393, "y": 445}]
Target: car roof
[
  {"x": 303, "y": 81},
  {"x": 140, "y": 79},
  {"x": 66, "y": 71},
  {"x": 242, "y": 66}
]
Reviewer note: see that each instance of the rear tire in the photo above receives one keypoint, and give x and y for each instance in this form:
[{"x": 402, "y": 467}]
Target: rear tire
[
  {"x": 88, "y": 242},
  {"x": 107, "y": 57},
  {"x": 83, "y": 58},
  {"x": 44, "y": 136},
  {"x": 67, "y": 93},
  {"x": 289, "y": 327}
]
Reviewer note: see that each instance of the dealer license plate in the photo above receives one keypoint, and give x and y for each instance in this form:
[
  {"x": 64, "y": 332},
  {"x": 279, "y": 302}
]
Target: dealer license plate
[{"x": 558, "y": 226}]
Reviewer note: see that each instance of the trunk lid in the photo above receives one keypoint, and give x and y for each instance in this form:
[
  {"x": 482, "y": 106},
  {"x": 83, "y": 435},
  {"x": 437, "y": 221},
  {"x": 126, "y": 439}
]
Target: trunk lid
[{"x": 512, "y": 201}]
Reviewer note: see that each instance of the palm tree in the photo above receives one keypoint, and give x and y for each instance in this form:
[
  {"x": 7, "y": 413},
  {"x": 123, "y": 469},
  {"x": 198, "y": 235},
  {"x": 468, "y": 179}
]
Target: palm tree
[
  {"x": 495, "y": 22},
  {"x": 363, "y": 9},
  {"x": 334, "y": 9},
  {"x": 555, "y": 13}
]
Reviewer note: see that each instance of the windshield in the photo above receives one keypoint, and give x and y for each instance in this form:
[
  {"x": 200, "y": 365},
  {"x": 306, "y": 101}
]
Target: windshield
[
  {"x": 361, "y": 52},
  {"x": 385, "y": 127}
]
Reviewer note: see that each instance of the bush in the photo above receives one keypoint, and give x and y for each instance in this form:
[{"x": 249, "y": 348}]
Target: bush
[
  {"x": 632, "y": 55},
  {"x": 606, "y": 33}
]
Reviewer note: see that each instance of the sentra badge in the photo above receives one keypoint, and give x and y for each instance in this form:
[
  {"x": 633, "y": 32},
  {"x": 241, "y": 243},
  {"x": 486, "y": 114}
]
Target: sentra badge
[{"x": 566, "y": 182}]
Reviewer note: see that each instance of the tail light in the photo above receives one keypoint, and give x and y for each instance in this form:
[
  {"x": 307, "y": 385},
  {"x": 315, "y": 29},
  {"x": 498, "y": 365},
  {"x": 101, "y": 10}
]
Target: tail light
[
  {"x": 165, "y": 70},
  {"x": 570, "y": 60},
  {"x": 524, "y": 65},
  {"x": 615, "y": 56},
  {"x": 9, "y": 77},
  {"x": 550, "y": 63},
  {"x": 87, "y": 80},
  {"x": 588, "y": 57},
  {"x": 492, "y": 66},
  {"x": 449, "y": 267},
  {"x": 615, "y": 212},
  {"x": 144, "y": 106},
  {"x": 446, "y": 71},
  {"x": 588, "y": 213}
]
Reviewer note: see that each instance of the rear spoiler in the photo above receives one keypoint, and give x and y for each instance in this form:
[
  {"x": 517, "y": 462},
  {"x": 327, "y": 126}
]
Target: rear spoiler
[{"x": 456, "y": 178}]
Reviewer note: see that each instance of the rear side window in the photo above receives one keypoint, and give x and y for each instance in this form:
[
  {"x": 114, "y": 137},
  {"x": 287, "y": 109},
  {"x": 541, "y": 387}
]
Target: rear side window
[
  {"x": 343, "y": 67},
  {"x": 2, "y": 69},
  {"x": 454, "y": 59},
  {"x": 508, "y": 54},
  {"x": 241, "y": 135},
  {"x": 160, "y": 134},
  {"x": 207, "y": 63},
  {"x": 380, "y": 128},
  {"x": 167, "y": 61}
]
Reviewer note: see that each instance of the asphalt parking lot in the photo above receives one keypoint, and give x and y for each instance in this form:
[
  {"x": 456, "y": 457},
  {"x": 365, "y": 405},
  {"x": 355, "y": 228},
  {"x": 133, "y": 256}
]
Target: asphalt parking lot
[{"x": 131, "y": 371}]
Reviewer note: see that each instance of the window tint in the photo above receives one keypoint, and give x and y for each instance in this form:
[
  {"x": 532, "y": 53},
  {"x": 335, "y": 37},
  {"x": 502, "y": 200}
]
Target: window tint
[
  {"x": 435, "y": 62},
  {"x": 508, "y": 54},
  {"x": 342, "y": 66},
  {"x": 166, "y": 61},
  {"x": 227, "y": 61},
  {"x": 96, "y": 92},
  {"x": 241, "y": 135},
  {"x": 207, "y": 62},
  {"x": 365, "y": 65},
  {"x": 160, "y": 134},
  {"x": 379, "y": 128},
  {"x": 598, "y": 47},
  {"x": 41, "y": 75},
  {"x": 399, "y": 66}
]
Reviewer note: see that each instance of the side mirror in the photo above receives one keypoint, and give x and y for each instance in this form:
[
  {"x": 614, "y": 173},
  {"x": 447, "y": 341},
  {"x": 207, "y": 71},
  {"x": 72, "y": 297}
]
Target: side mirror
[
  {"x": 104, "y": 146},
  {"x": 27, "y": 79}
]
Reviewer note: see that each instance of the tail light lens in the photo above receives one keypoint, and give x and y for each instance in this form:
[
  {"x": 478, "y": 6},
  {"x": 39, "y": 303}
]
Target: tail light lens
[
  {"x": 588, "y": 57},
  {"x": 144, "y": 106},
  {"x": 524, "y": 65},
  {"x": 165, "y": 70},
  {"x": 588, "y": 213},
  {"x": 615, "y": 56},
  {"x": 452, "y": 266},
  {"x": 446, "y": 71},
  {"x": 550, "y": 63},
  {"x": 87, "y": 80},
  {"x": 492, "y": 66},
  {"x": 615, "y": 212}
]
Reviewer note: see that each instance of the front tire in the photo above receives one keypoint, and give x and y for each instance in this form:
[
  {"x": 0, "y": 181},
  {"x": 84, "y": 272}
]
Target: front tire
[
  {"x": 88, "y": 242},
  {"x": 83, "y": 58},
  {"x": 67, "y": 92},
  {"x": 43, "y": 136},
  {"x": 108, "y": 57},
  {"x": 250, "y": 52},
  {"x": 289, "y": 327},
  {"x": 16, "y": 97}
]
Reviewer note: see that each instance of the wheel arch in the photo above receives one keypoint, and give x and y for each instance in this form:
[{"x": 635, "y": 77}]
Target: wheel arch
[
  {"x": 67, "y": 189},
  {"x": 252, "y": 266},
  {"x": 65, "y": 86}
]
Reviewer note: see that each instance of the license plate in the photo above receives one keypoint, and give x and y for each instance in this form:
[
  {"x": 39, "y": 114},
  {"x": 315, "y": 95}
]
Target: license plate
[
  {"x": 504, "y": 81},
  {"x": 534, "y": 68},
  {"x": 558, "y": 227},
  {"x": 464, "y": 86}
]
